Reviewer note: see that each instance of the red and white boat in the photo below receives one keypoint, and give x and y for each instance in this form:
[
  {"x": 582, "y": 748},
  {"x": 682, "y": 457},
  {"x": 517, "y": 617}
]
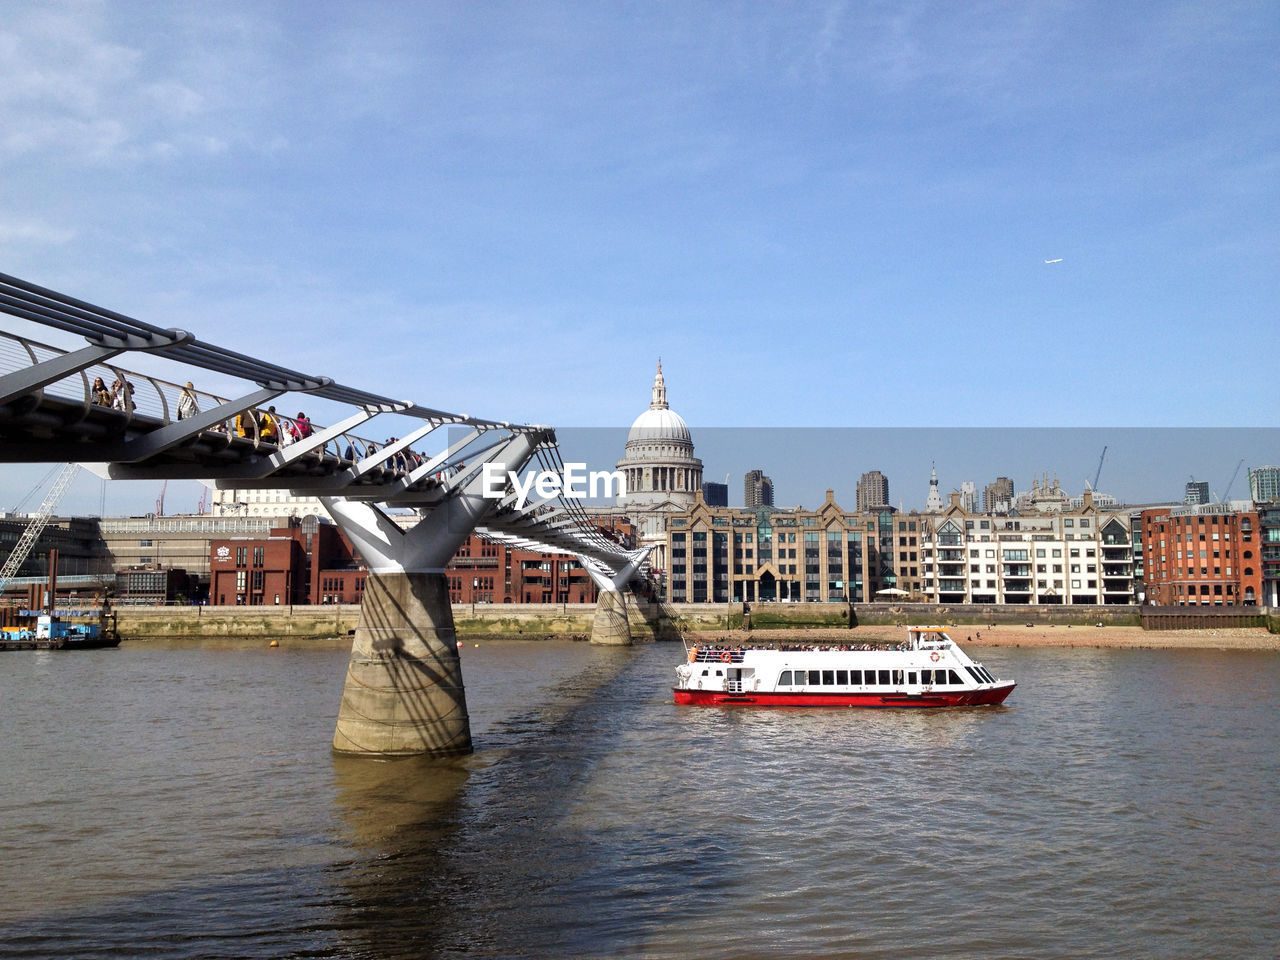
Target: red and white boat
[{"x": 928, "y": 670}]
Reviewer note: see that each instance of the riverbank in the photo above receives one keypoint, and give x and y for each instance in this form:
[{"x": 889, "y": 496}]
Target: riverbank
[
  {"x": 1012, "y": 635},
  {"x": 1046, "y": 627}
]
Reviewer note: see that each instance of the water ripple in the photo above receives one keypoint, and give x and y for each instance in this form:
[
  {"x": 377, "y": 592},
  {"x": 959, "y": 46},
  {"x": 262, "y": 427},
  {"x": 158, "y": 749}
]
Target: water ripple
[{"x": 183, "y": 803}]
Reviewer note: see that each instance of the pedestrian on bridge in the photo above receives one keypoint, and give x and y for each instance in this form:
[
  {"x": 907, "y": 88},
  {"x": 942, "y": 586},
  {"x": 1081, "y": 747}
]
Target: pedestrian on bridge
[
  {"x": 122, "y": 396},
  {"x": 187, "y": 405},
  {"x": 267, "y": 428}
]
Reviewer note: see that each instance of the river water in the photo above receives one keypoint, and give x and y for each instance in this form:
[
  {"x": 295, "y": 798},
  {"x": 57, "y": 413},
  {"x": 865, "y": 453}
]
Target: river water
[{"x": 181, "y": 801}]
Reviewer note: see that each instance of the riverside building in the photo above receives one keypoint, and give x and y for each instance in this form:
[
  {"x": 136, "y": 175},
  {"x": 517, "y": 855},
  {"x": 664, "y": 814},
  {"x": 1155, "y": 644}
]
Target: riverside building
[
  {"x": 1076, "y": 556},
  {"x": 764, "y": 554},
  {"x": 1269, "y": 519},
  {"x": 1207, "y": 554},
  {"x": 1080, "y": 555},
  {"x": 309, "y": 561}
]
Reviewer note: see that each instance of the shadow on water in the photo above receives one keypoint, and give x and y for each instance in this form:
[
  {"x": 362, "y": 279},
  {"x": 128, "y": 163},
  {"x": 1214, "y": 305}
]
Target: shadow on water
[
  {"x": 422, "y": 857},
  {"x": 490, "y": 854}
]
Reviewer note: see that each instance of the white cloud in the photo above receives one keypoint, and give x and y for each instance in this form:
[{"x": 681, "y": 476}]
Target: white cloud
[
  {"x": 74, "y": 92},
  {"x": 34, "y": 231}
]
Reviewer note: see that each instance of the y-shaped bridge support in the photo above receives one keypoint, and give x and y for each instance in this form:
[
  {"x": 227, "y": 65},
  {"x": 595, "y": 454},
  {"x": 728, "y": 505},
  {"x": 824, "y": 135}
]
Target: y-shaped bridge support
[
  {"x": 404, "y": 694},
  {"x": 610, "y": 627}
]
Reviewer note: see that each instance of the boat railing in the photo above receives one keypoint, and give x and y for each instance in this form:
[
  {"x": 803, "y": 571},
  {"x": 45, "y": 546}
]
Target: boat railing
[{"x": 719, "y": 656}]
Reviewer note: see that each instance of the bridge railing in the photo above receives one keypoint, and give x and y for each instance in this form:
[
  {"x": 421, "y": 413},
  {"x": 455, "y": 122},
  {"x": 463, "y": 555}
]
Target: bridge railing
[
  {"x": 47, "y": 402},
  {"x": 137, "y": 395}
]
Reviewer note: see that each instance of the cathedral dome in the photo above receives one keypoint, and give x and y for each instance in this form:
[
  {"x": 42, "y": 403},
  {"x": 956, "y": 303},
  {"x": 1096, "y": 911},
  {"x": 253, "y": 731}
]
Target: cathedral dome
[
  {"x": 659, "y": 425},
  {"x": 658, "y": 460}
]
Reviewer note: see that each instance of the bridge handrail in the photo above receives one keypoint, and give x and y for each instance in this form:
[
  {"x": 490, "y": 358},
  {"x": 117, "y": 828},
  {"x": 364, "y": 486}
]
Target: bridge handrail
[
  {"x": 160, "y": 402},
  {"x": 146, "y": 413}
]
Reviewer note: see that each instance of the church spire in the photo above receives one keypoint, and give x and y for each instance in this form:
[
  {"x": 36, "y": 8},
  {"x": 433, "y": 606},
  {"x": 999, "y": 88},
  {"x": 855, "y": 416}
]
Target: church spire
[
  {"x": 933, "y": 503},
  {"x": 659, "y": 401}
]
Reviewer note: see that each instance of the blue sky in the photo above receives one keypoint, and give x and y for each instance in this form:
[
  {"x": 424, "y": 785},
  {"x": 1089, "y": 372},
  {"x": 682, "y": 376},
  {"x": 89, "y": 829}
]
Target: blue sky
[{"x": 818, "y": 214}]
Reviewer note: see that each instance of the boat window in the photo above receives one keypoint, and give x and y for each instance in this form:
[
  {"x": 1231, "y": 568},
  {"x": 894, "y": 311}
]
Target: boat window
[
  {"x": 897, "y": 676},
  {"x": 987, "y": 673},
  {"x": 842, "y": 678},
  {"x": 815, "y": 678},
  {"x": 975, "y": 674},
  {"x": 884, "y": 678},
  {"x": 828, "y": 678},
  {"x": 911, "y": 677},
  {"x": 855, "y": 677},
  {"x": 706, "y": 673},
  {"x": 784, "y": 679},
  {"x": 954, "y": 677},
  {"x": 926, "y": 676}
]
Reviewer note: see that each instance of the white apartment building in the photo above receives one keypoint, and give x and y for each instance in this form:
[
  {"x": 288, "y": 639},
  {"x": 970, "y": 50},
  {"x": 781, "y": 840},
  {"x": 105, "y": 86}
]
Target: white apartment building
[{"x": 1078, "y": 556}]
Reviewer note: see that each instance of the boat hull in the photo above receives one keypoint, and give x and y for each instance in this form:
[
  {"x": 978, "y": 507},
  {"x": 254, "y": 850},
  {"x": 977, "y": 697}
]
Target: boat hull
[
  {"x": 89, "y": 643},
  {"x": 986, "y": 696}
]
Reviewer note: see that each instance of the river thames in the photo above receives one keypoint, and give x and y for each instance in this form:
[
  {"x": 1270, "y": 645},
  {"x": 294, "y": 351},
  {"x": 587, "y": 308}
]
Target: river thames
[{"x": 180, "y": 800}]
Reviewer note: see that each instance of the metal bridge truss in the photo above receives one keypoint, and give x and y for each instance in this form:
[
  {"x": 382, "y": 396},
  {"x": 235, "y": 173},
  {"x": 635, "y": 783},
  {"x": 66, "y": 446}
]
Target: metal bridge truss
[{"x": 48, "y": 414}]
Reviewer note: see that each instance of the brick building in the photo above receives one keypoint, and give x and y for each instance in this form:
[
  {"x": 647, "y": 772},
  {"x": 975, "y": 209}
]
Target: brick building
[
  {"x": 484, "y": 571},
  {"x": 1206, "y": 554},
  {"x": 309, "y": 561},
  {"x": 306, "y": 561}
]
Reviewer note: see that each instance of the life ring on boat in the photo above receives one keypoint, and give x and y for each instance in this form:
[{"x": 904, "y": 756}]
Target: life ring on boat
[
  {"x": 935, "y": 656},
  {"x": 725, "y": 656}
]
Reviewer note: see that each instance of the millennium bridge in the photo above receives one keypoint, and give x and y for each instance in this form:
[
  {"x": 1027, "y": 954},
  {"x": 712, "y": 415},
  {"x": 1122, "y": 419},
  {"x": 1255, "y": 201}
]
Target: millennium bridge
[{"x": 404, "y": 693}]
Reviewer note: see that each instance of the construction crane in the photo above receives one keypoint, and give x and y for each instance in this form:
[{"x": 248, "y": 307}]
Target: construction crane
[
  {"x": 1097, "y": 473},
  {"x": 37, "y": 525},
  {"x": 1235, "y": 473}
]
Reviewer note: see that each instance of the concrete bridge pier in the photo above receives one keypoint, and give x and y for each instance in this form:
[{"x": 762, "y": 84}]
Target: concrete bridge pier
[
  {"x": 610, "y": 626},
  {"x": 404, "y": 694}
]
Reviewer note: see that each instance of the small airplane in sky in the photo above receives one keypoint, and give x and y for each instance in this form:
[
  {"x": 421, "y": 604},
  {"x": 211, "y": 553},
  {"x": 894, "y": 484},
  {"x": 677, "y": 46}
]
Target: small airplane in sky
[{"x": 1059, "y": 260}]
